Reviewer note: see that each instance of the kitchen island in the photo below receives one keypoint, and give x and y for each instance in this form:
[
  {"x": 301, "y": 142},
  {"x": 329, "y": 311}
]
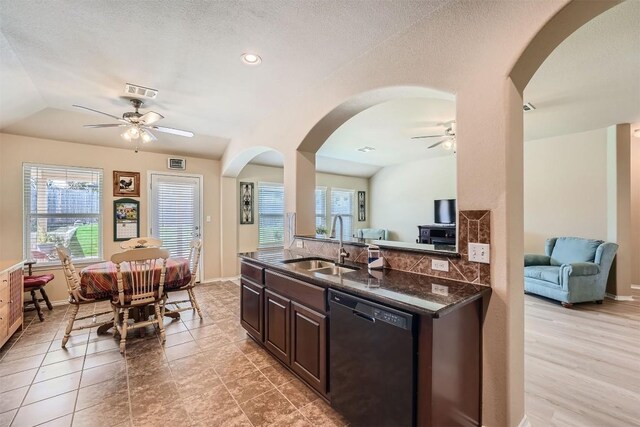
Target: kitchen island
[{"x": 285, "y": 308}]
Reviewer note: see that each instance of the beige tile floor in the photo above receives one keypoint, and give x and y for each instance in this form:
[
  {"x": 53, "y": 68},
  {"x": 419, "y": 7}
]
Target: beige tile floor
[{"x": 208, "y": 373}]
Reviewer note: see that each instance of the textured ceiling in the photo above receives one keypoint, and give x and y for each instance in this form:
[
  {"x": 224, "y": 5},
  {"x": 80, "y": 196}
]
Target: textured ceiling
[
  {"x": 591, "y": 80},
  {"x": 56, "y": 54}
]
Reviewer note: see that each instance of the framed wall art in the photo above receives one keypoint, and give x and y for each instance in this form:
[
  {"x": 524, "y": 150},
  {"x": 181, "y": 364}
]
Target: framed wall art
[
  {"x": 246, "y": 203},
  {"x": 126, "y": 219},
  {"x": 362, "y": 206},
  {"x": 126, "y": 184}
]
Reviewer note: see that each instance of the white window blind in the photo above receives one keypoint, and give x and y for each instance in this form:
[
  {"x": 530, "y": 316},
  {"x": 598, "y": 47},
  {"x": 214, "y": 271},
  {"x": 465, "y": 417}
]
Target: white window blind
[
  {"x": 342, "y": 204},
  {"x": 270, "y": 214},
  {"x": 321, "y": 207},
  {"x": 62, "y": 206},
  {"x": 175, "y": 212}
]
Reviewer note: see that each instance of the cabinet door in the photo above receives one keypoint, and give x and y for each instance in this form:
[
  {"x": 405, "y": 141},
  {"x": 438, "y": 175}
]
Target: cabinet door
[
  {"x": 251, "y": 303},
  {"x": 309, "y": 346},
  {"x": 276, "y": 325},
  {"x": 16, "y": 291}
]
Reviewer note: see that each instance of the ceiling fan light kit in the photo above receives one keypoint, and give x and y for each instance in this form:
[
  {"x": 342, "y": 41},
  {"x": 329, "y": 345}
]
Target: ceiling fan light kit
[{"x": 138, "y": 126}]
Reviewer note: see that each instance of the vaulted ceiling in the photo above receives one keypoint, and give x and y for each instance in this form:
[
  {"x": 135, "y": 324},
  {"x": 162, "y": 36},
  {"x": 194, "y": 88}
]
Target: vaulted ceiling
[{"x": 54, "y": 54}]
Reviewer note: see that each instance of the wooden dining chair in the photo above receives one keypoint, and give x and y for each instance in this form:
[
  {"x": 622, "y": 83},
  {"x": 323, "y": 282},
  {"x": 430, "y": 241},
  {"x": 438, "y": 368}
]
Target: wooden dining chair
[
  {"x": 76, "y": 299},
  {"x": 36, "y": 283},
  {"x": 194, "y": 261},
  {"x": 141, "y": 242},
  {"x": 144, "y": 270}
]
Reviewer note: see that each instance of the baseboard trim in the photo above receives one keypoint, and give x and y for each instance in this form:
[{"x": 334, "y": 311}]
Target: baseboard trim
[
  {"x": 221, "y": 279},
  {"x": 635, "y": 286},
  {"x": 619, "y": 297},
  {"x": 525, "y": 422}
]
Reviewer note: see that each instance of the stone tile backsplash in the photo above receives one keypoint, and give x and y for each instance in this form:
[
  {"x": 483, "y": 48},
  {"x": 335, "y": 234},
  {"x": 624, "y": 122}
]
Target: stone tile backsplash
[{"x": 473, "y": 227}]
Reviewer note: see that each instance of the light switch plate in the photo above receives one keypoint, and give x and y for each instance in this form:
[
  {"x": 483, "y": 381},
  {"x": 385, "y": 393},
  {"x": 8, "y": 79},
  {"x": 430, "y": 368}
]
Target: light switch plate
[
  {"x": 300, "y": 244},
  {"x": 440, "y": 264},
  {"x": 479, "y": 252},
  {"x": 440, "y": 289}
]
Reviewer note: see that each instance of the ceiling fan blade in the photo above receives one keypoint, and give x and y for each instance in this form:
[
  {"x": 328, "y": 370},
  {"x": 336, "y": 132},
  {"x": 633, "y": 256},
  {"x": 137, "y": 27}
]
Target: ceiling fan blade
[
  {"x": 99, "y": 112},
  {"x": 436, "y": 144},
  {"x": 109, "y": 125},
  {"x": 427, "y": 136},
  {"x": 150, "y": 117},
  {"x": 151, "y": 138},
  {"x": 173, "y": 131}
]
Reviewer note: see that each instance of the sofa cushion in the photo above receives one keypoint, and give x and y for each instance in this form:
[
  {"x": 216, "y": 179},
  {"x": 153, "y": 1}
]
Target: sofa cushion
[
  {"x": 568, "y": 250},
  {"x": 548, "y": 273}
]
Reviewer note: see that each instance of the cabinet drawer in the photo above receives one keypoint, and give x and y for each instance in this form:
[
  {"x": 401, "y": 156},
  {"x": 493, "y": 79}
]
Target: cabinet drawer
[
  {"x": 252, "y": 272},
  {"x": 4, "y": 322},
  {"x": 310, "y": 295}
]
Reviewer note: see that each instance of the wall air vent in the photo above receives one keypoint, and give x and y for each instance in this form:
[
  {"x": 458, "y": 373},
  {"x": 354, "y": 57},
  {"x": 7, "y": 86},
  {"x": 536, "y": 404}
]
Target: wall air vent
[
  {"x": 176, "y": 163},
  {"x": 528, "y": 107},
  {"x": 140, "y": 91}
]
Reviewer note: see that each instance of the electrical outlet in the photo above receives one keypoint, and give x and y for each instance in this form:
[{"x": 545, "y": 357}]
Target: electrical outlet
[
  {"x": 440, "y": 264},
  {"x": 479, "y": 252},
  {"x": 439, "y": 289},
  {"x": 299, "y": 244}
]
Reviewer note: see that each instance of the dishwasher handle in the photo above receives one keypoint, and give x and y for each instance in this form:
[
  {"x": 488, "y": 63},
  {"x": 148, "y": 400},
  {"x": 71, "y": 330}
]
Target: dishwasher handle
[{"x": 364, "y": 316}]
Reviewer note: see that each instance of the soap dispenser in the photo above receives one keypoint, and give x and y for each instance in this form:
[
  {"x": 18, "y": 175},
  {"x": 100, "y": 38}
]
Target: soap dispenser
[{"x": 376, "y": 261}]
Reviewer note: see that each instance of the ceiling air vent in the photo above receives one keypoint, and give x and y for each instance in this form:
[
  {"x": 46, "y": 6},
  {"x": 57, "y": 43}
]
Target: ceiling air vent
[
  {"x": 528, "y": 107},
  {"x": 140, "y": 91},
  {"x": 176, "y": 163}
]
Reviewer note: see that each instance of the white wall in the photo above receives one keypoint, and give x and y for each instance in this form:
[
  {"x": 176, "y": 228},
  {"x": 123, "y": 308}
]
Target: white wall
[
  {"x": 565, "y": 188},
  {"x": 402, "y": 195},
  {"x": 248, "y": 233},
  {"x": 18, "y": 149}
]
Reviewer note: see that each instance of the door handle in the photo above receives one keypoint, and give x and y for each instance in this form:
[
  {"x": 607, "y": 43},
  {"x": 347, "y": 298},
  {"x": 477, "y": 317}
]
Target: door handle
[{"x": 364, "y": 316}]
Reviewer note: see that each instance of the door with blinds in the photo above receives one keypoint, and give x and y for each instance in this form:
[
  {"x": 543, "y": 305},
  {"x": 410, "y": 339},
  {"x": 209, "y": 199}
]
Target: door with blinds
[{"x": 175, "y": 212}]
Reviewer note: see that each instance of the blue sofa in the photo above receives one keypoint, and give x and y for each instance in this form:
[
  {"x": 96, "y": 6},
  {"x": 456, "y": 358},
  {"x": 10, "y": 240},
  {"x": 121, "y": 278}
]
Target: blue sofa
[
  {"x": 371, "y": 233},
  {"x": 573, "y": 270}
]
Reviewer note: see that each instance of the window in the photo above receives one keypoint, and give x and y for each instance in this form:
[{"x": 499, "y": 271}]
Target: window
[
  {"x": 321, "y": 207},
  {"x": 342, "y": 204},
  {"x": 62, "y": 206},
  {"x": 270, "y": 214}
]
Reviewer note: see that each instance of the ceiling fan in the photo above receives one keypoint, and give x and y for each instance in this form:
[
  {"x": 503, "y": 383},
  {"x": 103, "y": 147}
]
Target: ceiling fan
[
  {"x": 449, "y": 136},
  {"x": 138, "y": 125}
]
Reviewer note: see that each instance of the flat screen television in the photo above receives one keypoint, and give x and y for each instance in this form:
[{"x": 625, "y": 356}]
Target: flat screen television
[{"x": 445, "y": 211}]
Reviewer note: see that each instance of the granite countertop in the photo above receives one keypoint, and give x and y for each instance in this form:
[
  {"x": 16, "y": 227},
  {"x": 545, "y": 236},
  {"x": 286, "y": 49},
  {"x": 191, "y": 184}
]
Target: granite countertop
[{"x": 412, "y": 292}]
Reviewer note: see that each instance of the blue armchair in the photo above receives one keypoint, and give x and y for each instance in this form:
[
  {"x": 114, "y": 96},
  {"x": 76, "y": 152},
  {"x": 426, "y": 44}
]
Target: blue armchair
[{"x": 573, "y": 270}]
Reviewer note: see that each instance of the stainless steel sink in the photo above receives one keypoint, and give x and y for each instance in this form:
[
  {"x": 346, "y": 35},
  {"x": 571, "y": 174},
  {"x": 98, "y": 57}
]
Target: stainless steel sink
[
  {"x": 311, "y": 264},
  {"x": 335, "y": 270},
  {"x": 320, "y": 266}
]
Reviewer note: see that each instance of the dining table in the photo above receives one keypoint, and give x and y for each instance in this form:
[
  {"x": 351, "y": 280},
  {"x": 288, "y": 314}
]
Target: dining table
[{"x": 100, "y": 281}]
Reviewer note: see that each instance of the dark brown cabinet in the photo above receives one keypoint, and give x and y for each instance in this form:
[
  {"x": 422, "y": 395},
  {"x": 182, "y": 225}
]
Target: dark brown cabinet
[
  {"x": 277, "y": 325},
  {"x": 309, "y": 346},
  {"x": 251, "y": 306}
]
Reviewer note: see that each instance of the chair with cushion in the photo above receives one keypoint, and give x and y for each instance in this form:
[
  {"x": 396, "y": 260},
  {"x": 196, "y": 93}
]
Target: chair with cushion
[
  {"x": 37, "y": 283},
  {"x": 141, "y": 242},
  {"x": 194, "y": 260},
  {"x": 572, "y": 270},
  {"x": 371, "y": 233},
  {"x": 143, "y": 270},
  {"x": 76, "y": 299}
]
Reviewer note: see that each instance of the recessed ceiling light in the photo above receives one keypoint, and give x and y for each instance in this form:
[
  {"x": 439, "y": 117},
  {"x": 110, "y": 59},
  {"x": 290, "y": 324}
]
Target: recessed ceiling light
[
  {"x": 366, "y": 149},
  {"x": 251, "y": 59}
]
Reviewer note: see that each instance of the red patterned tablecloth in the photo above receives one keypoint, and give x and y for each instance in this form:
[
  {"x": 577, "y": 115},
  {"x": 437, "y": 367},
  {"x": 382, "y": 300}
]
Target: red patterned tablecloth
[{"x": 100, "y": 281}]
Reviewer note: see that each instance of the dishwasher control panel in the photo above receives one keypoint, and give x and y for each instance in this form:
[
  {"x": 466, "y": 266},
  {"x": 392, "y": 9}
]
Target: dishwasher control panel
[{"x": 391, "y": 318}]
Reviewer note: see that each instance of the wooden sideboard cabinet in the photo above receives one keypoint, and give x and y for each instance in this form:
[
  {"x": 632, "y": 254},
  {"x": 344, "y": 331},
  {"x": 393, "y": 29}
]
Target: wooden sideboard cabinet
[
  {"x": 11, "y": 294},
  {"x": 437, "y": 234}
]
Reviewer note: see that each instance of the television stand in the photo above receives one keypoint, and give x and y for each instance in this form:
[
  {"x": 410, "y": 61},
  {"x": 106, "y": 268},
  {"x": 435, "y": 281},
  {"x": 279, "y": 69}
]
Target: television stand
[{"x": 437, "y": 234}]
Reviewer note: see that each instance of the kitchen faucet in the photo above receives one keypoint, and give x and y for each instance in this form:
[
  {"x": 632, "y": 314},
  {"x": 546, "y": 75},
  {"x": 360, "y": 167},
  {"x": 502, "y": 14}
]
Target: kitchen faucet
[{"x": 342, "y": 254}]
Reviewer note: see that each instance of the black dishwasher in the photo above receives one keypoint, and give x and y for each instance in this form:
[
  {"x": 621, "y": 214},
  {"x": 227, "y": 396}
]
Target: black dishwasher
[{"x": 372, "y": 362}]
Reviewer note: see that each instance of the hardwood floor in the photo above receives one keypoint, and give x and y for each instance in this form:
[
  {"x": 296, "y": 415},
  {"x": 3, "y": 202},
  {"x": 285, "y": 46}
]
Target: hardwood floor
[{"x": 582, "y": 365}]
